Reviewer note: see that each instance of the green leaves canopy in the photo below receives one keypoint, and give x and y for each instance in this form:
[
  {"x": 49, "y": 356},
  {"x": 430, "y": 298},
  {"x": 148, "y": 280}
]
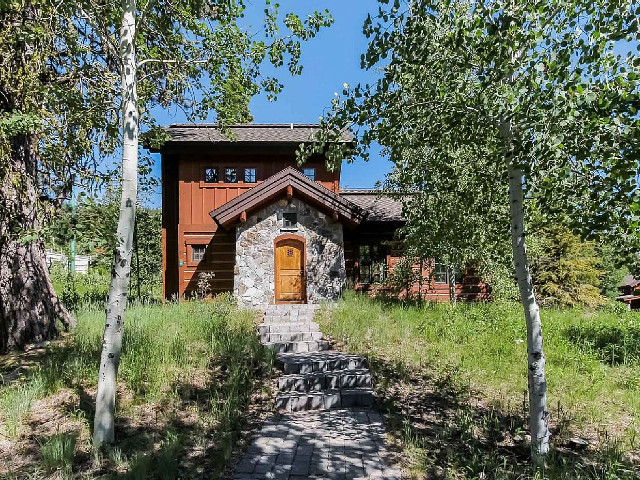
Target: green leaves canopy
[
  {"x": 564, "y": 74},
  {"x": 60, "y": 72}
]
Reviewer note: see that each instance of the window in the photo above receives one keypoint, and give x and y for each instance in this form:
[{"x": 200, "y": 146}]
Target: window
[
  {"x": 440, "y": 273},
  {"x": 231, "y": 175},
  {"x": 373, "y": 263},
  {"x": 249, "y": 175},
  {"x": 310, "y": 173},
  {"x": 289, "y": 220},
  {"x": 211, "y": 175},
  {"x": 197, "y": 253}
]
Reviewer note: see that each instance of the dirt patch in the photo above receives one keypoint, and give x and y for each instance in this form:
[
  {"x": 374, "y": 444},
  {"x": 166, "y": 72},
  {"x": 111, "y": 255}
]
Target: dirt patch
[{"x": 202, "y": 446}]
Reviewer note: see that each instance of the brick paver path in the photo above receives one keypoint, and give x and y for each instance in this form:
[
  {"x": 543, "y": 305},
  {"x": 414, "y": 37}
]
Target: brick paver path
[
  {"x": 333, "y": 444},
  {"x": 322, "y": 429}
]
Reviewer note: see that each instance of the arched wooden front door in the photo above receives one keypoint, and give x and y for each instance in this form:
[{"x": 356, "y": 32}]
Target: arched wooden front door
[{"x": 289, "y": 263}]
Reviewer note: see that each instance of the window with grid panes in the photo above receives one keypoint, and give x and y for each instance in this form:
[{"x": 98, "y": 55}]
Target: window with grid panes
[{"x": 373, "y": 263}]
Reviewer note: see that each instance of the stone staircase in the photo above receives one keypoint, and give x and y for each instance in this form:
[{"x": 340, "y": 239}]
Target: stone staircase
[{"x": 315, "y": 378}]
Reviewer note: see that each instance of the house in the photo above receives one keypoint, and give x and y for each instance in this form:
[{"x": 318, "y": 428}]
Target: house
[
  {"x": 269, "y": 230},
  {"x": 629, "y": 289}
]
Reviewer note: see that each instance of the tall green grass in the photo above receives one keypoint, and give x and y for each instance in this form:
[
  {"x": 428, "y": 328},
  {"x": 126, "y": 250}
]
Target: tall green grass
[
  {"x": 198, "y": 355},
  {"x": 593, "y": 361}
]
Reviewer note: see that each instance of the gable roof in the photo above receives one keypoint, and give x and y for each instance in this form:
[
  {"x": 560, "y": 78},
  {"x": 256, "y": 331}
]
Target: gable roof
[
  {"x": 629, "y": 281},
  {"x": 248, "y": 133},
  {"x": 381, "y": 208},
  {"x": 276, "y": 186}
]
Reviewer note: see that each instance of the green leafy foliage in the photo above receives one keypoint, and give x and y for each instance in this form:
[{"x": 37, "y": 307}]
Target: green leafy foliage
[
  {"x": 403, "y": 276},
  {"x": 60, "y": 74},
  {"x": 561, "y": 73},
  {"x": 94, "y": 227},
  {"x": 613, "y": 270},
  {"x": 564, "y": 268}
]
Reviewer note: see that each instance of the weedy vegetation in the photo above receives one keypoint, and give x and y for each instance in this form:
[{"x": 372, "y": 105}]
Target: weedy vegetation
[
  {"x": 452, "y": 383},
  {"x": 190, "y": 378}
]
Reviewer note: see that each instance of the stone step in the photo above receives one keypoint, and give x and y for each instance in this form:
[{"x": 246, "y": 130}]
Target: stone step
[
  {"x": 290, "y": 337},
  {"x": 287, "y": 328},
  {"x": 279, "y": 319},
  {"x": 296, "y": 363},
  {"x": 343, "y": 398},
  {"x": 299, "y": 347},
  {"x": 292, "y": 306},
  {"x": 319, "y": 381}
]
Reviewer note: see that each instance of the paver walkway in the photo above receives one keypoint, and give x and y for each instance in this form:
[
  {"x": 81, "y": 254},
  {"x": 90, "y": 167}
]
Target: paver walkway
[{"x": 314, "y": 436}]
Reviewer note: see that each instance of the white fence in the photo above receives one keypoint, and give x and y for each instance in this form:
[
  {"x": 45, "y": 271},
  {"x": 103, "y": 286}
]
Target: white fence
[{"x": 82, "y": 261}]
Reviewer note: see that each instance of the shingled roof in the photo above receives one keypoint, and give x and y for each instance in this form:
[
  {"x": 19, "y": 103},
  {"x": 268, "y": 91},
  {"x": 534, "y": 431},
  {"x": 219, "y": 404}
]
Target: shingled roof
[
  {"x": 251, "y": 133},
  {"x": 288, "y": 181},
  {"x": 629, "y": 281},
  {"x": 381, "y": 208}
]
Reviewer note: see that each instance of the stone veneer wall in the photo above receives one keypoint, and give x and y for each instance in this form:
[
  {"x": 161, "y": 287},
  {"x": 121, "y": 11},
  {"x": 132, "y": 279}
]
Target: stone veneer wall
[{"x": 254, "y": 274}]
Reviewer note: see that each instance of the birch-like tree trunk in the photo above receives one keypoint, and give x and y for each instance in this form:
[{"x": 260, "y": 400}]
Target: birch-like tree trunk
[
  {"x": 120, "y": 275},
  {"x": 452, "y": 285},
  {"x": 538, "y": 414}
]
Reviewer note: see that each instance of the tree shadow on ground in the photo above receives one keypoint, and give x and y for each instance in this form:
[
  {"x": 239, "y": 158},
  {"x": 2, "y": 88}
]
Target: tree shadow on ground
[
  {"x": 191, "y": 432},
  {"x": 444, "y": 433}
]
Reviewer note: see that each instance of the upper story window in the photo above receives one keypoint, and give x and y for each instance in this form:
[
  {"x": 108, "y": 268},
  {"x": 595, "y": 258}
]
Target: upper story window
[
  {"x": 211, "y": 175},
  {"x": 289, "y": 220},
  {"x": 197, "y": 253},
  {"x": 231, "y": 175},
  {"x": 249, "y": 175},
  {"x": 310, "y": 173}
]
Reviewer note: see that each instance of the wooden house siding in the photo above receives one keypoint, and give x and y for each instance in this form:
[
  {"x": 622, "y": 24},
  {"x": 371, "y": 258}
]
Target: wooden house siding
[{"x": 187, "y": 200}]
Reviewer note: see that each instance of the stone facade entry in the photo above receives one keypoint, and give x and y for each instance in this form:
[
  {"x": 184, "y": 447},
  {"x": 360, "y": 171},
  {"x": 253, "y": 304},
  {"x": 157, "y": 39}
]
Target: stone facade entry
[
  {"x": 321, "y": 255},
  {"x": 289, "y": 269}
]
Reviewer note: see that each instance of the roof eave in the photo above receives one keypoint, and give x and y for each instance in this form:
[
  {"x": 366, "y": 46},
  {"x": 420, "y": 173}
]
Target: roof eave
[{"x": 276, "y": 187}]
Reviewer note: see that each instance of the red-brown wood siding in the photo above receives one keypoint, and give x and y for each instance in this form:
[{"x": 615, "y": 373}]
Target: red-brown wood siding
[
  {"x": 187, "y": 201},
  {"x": 471, "y": 288}
]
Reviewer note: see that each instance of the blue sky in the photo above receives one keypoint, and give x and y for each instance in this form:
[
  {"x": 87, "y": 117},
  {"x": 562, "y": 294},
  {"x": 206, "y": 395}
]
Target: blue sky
[{"x": 329, "y": 60}]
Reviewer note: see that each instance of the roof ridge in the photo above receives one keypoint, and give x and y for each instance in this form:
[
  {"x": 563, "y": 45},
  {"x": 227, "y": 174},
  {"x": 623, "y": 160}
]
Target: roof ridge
[
  {"x": 245, "y": 125},
  {"x": 361, "y": 190}
]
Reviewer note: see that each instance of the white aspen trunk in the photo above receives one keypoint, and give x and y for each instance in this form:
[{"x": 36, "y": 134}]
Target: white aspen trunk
[
  {"x": 104, "y": 421},
  {"x": 452, "y": 286},
  {"x": 538, "y": 415}
]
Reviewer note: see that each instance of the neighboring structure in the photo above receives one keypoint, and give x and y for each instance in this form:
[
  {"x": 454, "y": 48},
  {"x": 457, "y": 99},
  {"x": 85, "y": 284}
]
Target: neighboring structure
[
  {"x": 630, "y": 292},
  {"x": 82, "y": 261},
  {"x": 272, "y": 232}
]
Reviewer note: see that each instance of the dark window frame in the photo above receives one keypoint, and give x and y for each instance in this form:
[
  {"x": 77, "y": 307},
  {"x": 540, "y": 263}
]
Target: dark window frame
[
  {"x": 198, "y": 255},
  {"x": 287, "y": 222},
  {"x": 252, "y": 178},
  {"x": 205, "y": 178},
  {"x": 372, "y": 263},
  {"x": 311, "y": 177},
  {"x": 442, "y": 274},
  {"x": 227, "y": 170}
]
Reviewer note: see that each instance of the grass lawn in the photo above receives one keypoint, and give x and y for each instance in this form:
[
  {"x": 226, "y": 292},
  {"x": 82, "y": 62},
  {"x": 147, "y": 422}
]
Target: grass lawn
[
  {"x": 453, "y": 381},
  {"x": 191, "y": 381}
]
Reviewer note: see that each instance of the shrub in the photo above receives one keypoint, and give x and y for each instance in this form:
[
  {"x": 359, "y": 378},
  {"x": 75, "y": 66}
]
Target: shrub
[{"x": 565, "y": 269}]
